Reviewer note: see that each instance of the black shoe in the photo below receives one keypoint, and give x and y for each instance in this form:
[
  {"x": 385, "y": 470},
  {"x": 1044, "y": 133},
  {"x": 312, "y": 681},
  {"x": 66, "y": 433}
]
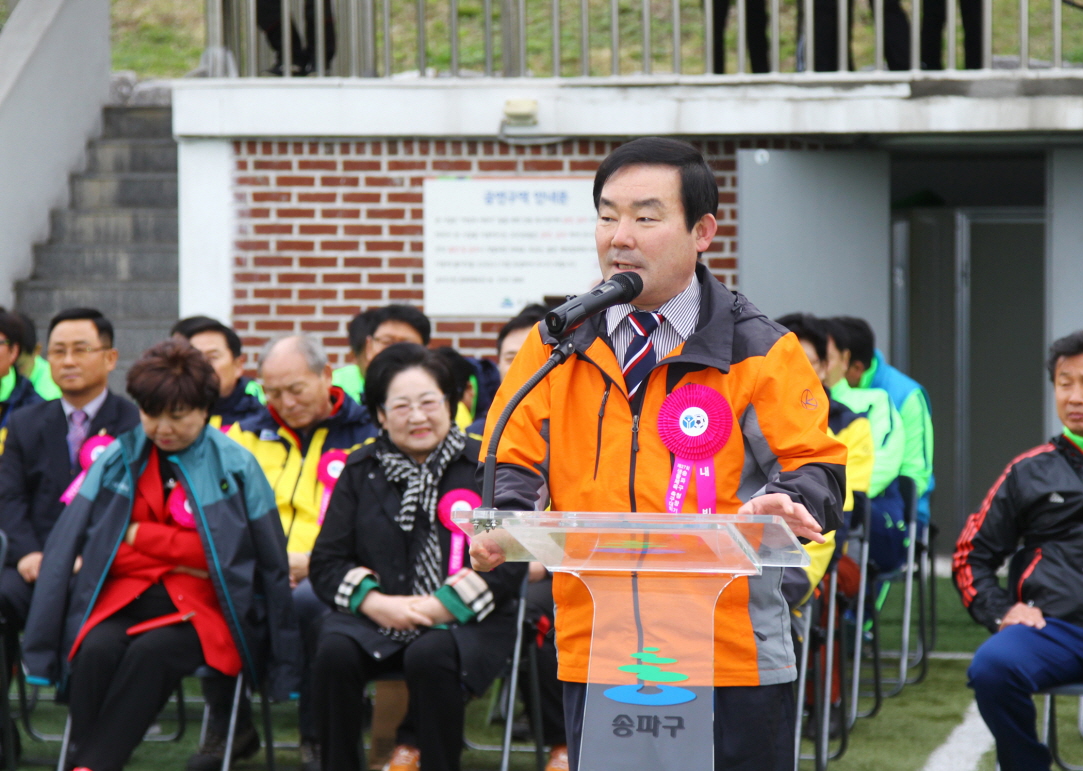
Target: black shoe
[
  {"x": 310, "y": 755},
  {"x": 210, "y": 754}
]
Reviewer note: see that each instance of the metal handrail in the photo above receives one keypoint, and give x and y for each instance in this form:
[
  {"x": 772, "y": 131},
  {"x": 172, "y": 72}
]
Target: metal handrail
[{"x": 596, "y": 38}]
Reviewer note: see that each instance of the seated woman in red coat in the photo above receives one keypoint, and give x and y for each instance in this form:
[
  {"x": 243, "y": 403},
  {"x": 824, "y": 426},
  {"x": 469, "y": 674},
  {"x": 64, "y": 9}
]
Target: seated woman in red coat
[{"x": 183, "y": 563}]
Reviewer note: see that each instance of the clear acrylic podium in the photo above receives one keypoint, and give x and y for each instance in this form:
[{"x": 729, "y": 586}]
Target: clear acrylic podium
[{"x": 655, "y": 580}]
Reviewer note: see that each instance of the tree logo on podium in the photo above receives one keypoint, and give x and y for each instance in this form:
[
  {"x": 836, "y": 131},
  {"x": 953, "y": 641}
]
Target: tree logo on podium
[{"x": 652, "y": 689}]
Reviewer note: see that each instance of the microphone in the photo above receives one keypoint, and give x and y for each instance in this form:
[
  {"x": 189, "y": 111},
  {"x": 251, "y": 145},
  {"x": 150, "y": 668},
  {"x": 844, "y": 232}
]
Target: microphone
[{"x": 622, "y": 288}]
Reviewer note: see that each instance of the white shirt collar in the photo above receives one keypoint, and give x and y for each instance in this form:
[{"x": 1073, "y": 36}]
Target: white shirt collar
[
  {"x": 680, "y": 311},
  {"x": 91, "y": 409}
]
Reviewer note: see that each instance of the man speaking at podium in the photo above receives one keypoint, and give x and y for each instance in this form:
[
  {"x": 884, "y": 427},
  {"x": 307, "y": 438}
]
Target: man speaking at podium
[{"x": 587, "y": 438}]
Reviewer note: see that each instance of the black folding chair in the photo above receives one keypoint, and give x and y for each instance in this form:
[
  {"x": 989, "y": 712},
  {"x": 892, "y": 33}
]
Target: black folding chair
[
  {"x": 509, "y": 689},
  {"x": 1049, "y": 721},
  {"x": 859, "y": 540}
]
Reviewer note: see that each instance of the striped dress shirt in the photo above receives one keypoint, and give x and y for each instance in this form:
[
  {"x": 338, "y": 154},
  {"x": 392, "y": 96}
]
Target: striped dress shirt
[{"x": 680, "y": 312}]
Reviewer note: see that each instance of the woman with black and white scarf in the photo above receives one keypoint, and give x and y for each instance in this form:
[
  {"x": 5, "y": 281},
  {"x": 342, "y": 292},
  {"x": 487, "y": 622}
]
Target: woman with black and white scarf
[{"x": 387, "y": 559}]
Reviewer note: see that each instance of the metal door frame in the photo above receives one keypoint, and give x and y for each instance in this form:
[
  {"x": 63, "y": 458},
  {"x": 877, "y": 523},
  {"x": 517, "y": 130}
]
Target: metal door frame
[{"x": 964, "y": 218}]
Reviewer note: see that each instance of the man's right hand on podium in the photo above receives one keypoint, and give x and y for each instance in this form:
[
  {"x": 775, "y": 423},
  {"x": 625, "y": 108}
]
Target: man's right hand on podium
[{"x": 485, "y": 553}]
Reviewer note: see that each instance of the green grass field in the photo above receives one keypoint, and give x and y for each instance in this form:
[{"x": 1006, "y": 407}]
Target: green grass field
[{"x": 907, "y": 730}]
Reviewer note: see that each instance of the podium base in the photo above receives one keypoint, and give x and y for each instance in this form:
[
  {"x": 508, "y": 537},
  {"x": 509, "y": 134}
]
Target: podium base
[{"x": 650, "y": 689}]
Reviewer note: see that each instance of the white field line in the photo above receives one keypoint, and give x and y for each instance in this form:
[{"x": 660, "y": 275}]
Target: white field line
[{"x": 965, "y": 746}]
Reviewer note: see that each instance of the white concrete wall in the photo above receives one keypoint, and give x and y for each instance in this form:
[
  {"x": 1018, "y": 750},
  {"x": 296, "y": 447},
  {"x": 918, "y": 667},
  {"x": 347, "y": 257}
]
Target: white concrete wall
[
  {"x": 813, "y": 234},
  {"x": 207, "y": 227},
  {"x": 805, "y": 105},
  {"x": 1064, "y": 258},
  {"x": 54, "y": 79}
]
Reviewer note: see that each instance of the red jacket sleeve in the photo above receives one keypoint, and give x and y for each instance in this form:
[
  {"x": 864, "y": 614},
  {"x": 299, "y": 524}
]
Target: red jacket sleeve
[
  {"x": 130, "y": 563},
  {"x": 171, "y": 544}
]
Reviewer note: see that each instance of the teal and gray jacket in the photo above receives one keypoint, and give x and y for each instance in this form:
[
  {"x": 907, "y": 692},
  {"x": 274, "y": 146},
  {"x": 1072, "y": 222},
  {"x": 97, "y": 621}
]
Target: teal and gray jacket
[{"x": 238, "y": 523}]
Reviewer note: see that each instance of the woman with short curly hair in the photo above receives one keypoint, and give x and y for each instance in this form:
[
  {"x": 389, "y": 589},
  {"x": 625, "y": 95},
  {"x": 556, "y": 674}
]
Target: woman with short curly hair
[{"x": 180, "y": 562}]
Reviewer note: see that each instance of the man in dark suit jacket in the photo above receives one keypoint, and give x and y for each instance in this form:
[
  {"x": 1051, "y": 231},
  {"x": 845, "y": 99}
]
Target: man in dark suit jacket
[{"x": 41, "y": 458}]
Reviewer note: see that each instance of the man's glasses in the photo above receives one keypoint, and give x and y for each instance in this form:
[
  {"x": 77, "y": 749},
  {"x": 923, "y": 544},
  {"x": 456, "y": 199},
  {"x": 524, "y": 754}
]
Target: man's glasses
[
  {"x": 430, "y": 405},
  {"x": 386, "y": 341},
  {"x": 76, "y": 352}
]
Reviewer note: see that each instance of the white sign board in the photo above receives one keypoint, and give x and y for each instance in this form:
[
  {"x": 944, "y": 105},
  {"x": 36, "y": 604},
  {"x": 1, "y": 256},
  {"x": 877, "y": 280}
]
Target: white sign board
[{"x": 493, "y": 245}]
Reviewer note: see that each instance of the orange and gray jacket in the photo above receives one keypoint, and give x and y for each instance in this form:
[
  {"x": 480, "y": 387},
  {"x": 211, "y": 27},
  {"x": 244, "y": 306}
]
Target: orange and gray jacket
[{"x": 577, "y": 443}]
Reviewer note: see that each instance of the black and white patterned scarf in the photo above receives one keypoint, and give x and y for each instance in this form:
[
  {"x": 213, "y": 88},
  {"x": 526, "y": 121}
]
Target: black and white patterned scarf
[{"x": 419, "y": 498}]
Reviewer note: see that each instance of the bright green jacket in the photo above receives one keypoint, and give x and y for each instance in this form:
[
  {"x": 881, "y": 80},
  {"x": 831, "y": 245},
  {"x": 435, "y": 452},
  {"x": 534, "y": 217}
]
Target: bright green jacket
[
  {"x": 888, "y": 431},
  {"x": 913, "y": 405},
  {"x": 350, "y": 380},
  {"x": 41, "y": 377}
]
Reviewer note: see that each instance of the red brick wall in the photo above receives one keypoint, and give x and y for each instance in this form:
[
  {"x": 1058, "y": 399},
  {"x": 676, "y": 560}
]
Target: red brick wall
[{"x": 328, "y": 228}]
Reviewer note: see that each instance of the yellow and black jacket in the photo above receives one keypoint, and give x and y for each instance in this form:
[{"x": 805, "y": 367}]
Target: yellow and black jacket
[{"x": 290, "y": 460}]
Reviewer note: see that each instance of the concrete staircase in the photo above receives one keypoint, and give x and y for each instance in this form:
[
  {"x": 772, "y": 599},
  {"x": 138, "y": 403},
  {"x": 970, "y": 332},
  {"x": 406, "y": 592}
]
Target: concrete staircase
[{"x": 115, "y": 247}]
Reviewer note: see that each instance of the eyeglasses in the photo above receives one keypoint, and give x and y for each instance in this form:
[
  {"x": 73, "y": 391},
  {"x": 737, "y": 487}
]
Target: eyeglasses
[
  {"x": 78, "y": 352},
  {"x": 386, "y": 341},
  {"x": 430, "y": 405}
]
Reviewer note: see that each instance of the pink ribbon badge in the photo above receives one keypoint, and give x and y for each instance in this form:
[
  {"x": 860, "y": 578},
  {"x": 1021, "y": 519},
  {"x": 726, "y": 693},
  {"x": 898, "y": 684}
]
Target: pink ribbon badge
[
  {"x": 180, "y": 509},
  {"x": 90, "y": 451},
  {"x": 330, "y": 469},
  {"x": 695, "y": 422},
  {"x": 456, "y": 500}
]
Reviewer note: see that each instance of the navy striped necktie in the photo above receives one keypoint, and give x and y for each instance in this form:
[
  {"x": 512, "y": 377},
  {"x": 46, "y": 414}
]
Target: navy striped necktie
[{"x": 640, "y": 357}]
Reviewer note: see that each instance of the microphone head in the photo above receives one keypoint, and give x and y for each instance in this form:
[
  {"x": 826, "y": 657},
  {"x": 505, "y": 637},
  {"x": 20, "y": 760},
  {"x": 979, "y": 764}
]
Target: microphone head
[{"x": 631, "y": 285}]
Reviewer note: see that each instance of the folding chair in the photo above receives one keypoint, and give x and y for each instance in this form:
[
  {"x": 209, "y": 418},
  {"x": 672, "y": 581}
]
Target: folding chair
[
  {"x": 1049, "y": 721},
  {"x": 916, "y": 571},
  {"x": 238, "y": 691},
  {"x": 508, "y": 691},
  {"x": 28, "y": 702},
  {"x": 859, "y": 537},
  {"x": 816, "y": 637}
]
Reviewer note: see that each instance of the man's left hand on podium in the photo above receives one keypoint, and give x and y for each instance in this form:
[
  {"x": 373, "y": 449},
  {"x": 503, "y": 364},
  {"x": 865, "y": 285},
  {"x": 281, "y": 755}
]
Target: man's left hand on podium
[{"x": 803, "y": 524}]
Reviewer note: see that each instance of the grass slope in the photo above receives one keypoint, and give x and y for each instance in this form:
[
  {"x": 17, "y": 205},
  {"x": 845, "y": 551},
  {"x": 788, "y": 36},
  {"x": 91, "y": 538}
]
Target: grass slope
[{"x": 163, "y": 38}]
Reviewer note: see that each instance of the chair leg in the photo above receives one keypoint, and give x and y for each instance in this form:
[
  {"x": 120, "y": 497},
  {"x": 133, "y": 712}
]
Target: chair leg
[
  {"x": 802, "y": 682},
  {"x": 908, "y": 600},
  {"x": 203, "y": 725},
  {"x": 536, "y": 705},
  {"x": 5, "y": 706},
  {"x": 238, "y": 690},
  {"x": 62, "y": 761},
  {"x": 268, "y": 735},
  {"x": 824, "y": 737},
  {"x": 513, "y": 681},
  {"x": 859, "y": 631}
]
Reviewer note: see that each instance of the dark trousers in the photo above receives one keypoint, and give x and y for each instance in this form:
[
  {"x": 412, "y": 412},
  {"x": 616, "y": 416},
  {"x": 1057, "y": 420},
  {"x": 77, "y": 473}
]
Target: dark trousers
[
  {"x": 934, "y": 15},
  {"x": 218, "y": 689},
  {"x": 434, "y": 722},
  {"x": 753, "y": 726},
  {"x": 755, "y": 34},
  {"x": 269, "y": 19},
  {"x": 1007, "y": 669},
  {"x": 825, "y": 31},
  {"x": 896, "y": 36},
  {"x": 119, "y": 683},
  {"x": 15, "y": 596}
]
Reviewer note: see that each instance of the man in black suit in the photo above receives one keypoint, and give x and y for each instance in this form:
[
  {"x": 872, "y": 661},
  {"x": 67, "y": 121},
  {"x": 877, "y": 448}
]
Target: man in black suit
[{"x": 41, "y": 458}]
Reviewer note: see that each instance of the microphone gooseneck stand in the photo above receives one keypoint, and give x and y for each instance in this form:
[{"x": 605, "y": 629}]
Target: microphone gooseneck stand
[{"x": 561, "y": 353}]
